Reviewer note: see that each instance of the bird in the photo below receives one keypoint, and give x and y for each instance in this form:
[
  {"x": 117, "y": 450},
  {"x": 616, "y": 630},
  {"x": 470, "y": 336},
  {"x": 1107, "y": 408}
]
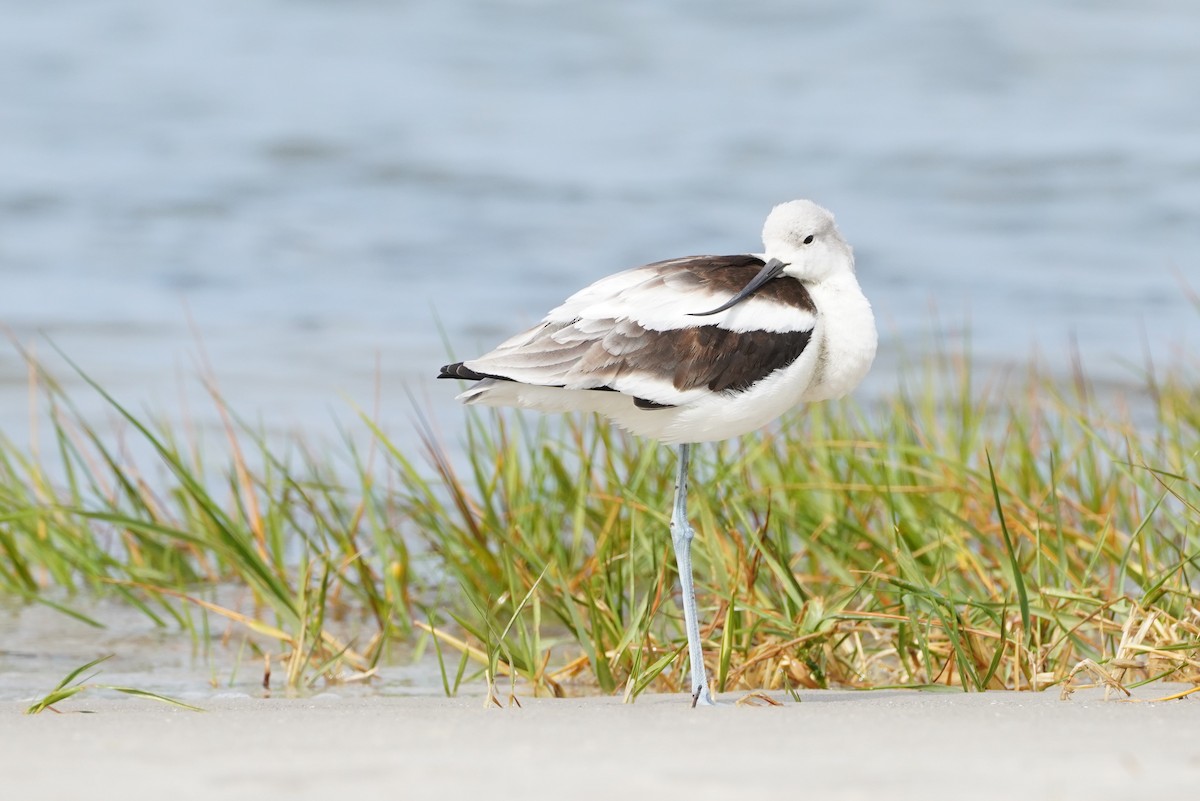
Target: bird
[{"x": 696, "y": 349}]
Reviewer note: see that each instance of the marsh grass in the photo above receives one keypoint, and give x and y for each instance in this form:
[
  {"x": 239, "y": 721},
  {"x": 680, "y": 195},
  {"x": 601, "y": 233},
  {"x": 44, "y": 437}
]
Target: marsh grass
[
  {"x": 970, "y": 536},
  {"x": 71, "y": 685}
]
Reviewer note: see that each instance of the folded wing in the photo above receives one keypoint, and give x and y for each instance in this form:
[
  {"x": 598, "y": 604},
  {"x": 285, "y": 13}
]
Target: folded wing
[{"x": 632, "y": 333}]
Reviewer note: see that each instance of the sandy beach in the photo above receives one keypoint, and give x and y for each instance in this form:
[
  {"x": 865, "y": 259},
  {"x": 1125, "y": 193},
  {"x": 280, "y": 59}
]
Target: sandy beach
[{"x": 832, "y": 745}]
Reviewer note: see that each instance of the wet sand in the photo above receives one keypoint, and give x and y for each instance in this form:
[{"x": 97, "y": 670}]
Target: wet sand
[{"x": 832, "y": 745}]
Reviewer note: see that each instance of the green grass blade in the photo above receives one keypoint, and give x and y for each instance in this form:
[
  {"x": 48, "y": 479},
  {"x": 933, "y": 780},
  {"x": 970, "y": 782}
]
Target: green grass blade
[{"x": 1018, "y": 578}]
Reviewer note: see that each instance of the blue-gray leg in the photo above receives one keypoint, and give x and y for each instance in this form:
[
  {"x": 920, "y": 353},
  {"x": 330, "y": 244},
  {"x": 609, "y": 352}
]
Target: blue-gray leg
[{"x": 681, "y": 537}]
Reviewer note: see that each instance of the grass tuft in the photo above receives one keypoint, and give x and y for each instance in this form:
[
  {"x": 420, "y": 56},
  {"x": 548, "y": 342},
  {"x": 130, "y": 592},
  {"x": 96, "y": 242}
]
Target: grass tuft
[{"x": 953, "y": 534}]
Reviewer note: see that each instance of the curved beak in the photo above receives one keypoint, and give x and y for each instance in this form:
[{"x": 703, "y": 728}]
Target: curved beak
[{"x": 773, "y": 268}]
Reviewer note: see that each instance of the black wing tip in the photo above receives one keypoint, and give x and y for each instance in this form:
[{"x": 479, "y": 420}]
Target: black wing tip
[{"x": 459, "y": 370}]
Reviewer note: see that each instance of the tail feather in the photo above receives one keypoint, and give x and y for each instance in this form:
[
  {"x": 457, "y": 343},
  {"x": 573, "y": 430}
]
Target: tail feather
[{"x": 459, "y": 370}]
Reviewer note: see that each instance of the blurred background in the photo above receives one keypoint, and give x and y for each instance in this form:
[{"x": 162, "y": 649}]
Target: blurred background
[{"x": 326, "y": 195}]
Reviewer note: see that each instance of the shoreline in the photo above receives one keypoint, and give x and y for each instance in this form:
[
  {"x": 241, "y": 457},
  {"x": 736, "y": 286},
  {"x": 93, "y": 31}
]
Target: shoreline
[{"x": 840, "y": 744}]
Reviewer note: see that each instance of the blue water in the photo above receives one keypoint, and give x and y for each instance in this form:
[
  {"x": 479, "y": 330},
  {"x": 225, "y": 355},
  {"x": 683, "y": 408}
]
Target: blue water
[{"x": 310, "y": 189}]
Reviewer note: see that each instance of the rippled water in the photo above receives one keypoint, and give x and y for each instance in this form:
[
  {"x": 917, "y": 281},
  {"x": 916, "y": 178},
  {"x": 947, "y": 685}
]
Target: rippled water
[{"x": 318, "y": 184}]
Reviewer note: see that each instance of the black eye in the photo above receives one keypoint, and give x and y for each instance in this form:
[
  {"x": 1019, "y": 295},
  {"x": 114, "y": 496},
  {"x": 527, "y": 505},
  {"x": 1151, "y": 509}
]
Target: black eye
[{"x": 808, "y": 239}]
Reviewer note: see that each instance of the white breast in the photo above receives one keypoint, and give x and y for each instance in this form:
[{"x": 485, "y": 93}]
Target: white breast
[{"x": 848, "y": 337}]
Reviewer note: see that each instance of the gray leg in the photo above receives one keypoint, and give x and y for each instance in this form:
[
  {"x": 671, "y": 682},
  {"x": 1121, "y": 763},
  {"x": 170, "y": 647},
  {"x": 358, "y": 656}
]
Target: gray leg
[{"x": 681, "y": 537}]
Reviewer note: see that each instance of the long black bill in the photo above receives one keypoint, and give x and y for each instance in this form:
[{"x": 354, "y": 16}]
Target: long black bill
[{"x": 773, "y": 268}]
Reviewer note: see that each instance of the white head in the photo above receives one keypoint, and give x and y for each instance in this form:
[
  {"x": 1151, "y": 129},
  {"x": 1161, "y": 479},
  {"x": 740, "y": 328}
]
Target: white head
[{"x": 803, "y": 236}]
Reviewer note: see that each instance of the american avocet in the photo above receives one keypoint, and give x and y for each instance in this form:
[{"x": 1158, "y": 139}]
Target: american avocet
[{"x": 696, "y": 349}]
